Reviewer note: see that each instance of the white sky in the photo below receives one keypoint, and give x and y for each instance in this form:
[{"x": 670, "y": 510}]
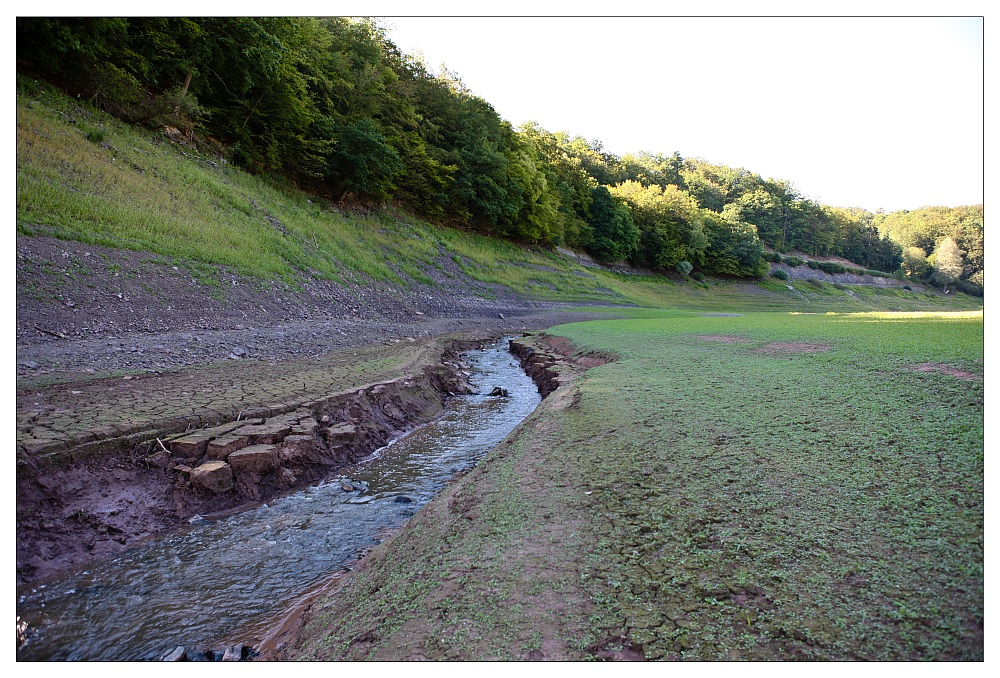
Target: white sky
[{"x": 871, "y": 112}]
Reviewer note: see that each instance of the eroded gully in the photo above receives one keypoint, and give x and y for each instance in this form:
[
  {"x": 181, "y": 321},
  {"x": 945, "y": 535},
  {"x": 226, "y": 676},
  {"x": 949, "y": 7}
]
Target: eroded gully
[{"x": 218, "y": 583}]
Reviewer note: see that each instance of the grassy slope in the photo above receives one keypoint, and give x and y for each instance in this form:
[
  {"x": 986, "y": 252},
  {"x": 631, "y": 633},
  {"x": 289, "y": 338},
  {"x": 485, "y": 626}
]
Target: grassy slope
[
  {"x": 707, "y": 499},
  {"x": 135, "y": 190}
]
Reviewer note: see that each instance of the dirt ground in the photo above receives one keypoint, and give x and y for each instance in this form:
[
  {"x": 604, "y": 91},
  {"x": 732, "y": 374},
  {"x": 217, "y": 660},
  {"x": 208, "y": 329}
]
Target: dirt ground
[
  {"x": 115, "y": 348},
  {"x": 89, "y": 309}
]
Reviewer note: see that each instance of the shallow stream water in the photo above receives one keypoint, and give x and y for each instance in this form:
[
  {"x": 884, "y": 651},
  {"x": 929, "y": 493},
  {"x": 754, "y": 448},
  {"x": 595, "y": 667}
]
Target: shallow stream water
[{"x": 215, "y": 583}]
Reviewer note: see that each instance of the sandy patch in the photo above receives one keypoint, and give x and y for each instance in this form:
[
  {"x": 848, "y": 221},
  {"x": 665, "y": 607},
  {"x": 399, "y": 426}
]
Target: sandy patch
[
  {"x": 945, "y": 369},
  {"x": 723, "y": 339},
  {"x": 789, "y": 347}
]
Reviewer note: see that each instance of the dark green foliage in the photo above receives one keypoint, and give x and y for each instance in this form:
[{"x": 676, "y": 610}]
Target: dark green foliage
[
  {"x": 779, "y": 274},
  {"x": 792, "y": 261},
  {"x": 734, "y": 249},
  {"x": 814, "y": 265},
  {"x": 831, "y": 267},
  {"x": 774, "y": 257},
  {"x": 815, "y": 283},
  {"x": 362, "y": 162},
  {"x": 615, "y": 237}
]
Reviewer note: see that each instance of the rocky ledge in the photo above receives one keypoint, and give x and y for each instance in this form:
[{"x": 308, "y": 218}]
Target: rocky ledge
[{"x": 71, "y": 509}]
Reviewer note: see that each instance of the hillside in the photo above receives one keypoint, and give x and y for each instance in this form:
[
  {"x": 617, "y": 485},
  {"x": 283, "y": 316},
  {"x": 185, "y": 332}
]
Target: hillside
[{"x": 122, "y": 230}]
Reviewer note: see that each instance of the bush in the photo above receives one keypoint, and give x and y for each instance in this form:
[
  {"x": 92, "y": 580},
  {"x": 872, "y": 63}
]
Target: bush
[
  {"x": 831, "y": 267},
  {"x": 773, "y": 257},
  {"x": 792, "y": 261},
  {"x": 840, "y": 286},
  {"x": 684, "y": 267},
  {"x": 815, "y": 283},
  {"x": 779, "y": 274},
  {"x": 97, "y": 135},
  {"x": 969, "y": 287},
  {"x": 697, "y": 275},
  {"x": 907, "y": 287},
  {"x": 812, "y": 264}
]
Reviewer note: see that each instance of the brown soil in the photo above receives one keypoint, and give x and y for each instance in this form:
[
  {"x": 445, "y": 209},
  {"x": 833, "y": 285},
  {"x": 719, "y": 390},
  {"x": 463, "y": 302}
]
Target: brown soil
[
  {"x": 118, "y": 349},
  {"x": 945, "y": 369},
  {"x": 792, "y": 347},
  {"x": 723, "y": 339}
]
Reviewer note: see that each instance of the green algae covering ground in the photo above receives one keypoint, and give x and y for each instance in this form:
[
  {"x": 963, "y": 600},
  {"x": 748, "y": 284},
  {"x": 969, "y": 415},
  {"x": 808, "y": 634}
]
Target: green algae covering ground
[
  {"x": 763, "y": 486},
  {"x": 792, "y": 486}
]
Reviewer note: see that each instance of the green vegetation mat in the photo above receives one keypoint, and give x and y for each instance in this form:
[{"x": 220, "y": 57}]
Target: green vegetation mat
[{"x": 763, "y": 486}]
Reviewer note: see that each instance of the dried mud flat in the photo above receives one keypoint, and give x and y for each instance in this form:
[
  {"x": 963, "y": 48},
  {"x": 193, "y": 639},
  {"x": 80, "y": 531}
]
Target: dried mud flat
[{"x": 118, "y": 352}]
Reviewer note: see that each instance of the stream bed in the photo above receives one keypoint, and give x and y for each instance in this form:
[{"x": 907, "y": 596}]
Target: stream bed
[{"x": 219, "y": 582}]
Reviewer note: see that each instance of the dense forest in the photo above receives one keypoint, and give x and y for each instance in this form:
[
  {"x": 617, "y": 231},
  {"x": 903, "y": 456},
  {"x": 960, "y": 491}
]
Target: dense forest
[{"x": 333, "y": 105}]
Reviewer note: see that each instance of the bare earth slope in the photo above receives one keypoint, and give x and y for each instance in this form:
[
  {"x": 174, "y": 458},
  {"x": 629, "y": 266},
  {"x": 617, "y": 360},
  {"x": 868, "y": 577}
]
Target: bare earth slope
[{"x": 116, "y": 349}]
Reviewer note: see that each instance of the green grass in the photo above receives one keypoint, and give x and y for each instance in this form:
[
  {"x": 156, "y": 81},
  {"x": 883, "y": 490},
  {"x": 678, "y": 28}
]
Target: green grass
[
  {"x": 782, "y": 504},
  {"x": 129, "y": 188},
  {"x": 769, "y": 486}
]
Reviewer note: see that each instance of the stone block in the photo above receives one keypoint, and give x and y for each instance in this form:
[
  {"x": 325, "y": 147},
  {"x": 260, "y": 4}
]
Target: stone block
[
  {"x": 298, "y": 448},
  {"x": 221, "y": 448},
  {"x": 267, "y": 433},
  {"x": 214, "y": 476},
  {"x": 190, "y": 446},
  {"x": 255, "y": 459}
]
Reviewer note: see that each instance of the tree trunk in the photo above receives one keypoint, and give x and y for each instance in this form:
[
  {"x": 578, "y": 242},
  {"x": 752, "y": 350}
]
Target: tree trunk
[{"x": 187, "y": 83}]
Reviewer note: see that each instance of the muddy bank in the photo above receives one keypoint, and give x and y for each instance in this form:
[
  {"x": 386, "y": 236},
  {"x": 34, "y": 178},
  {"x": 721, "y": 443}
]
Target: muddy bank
[
  {"x": 364, "y": 617},
  {"x": 87, "y": 502}
]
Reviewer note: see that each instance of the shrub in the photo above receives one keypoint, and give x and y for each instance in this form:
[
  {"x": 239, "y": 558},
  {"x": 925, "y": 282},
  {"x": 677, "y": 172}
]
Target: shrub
[
  {"x": 815, "y": 283},
  {"x": 773, "y": 257},
  {"x": 697, "y": 275},
  {"x": 97, "y": 135},
  {"x": 812, "y": 264},
  {"x": 792, "y": 261},
  {"x": 684, "y": 267},
  {"x": 969, "y": 287},
  {"x": 907, "y": 287},
  {"x": 779, "y": 274},
  {"x": 831, "y": 267},
  {"x": 840, "y": 286}
]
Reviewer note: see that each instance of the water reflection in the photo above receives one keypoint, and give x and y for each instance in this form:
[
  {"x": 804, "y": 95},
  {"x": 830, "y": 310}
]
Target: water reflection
[{"x": 210, "y": 582}]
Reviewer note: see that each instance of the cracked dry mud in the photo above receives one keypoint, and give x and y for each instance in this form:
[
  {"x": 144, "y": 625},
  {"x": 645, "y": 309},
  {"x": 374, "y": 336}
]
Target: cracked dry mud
[{"x": 120, "y": 352}]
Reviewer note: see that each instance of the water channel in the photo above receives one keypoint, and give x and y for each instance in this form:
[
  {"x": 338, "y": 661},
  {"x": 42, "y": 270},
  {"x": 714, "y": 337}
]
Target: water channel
[{"x": 214, "y": 582}]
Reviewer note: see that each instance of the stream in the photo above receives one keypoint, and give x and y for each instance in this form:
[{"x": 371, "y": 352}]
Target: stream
[{"x": 216, "y": 583}]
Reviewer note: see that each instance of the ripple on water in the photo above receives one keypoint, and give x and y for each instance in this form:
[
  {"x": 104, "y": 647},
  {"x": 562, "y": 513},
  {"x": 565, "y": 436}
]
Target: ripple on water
[{"x": 207, "y": 584}]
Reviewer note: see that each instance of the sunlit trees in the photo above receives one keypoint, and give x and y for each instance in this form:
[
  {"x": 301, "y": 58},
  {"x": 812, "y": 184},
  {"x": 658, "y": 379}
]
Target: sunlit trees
[
  {"x": 669, "y": 223},
  {"x": 947, "y": 263},
  {"x": 914, "y": 261}
]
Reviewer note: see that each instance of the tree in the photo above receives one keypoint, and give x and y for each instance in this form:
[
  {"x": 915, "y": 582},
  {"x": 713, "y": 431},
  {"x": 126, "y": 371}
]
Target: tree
[
  {"x": 947, "y": 263},
  {"x": 669, "y": 221},
  {"x": 362, "y": 162},
  {"x": 615, "y": 235},
  {"x": 914, "y": 261}
]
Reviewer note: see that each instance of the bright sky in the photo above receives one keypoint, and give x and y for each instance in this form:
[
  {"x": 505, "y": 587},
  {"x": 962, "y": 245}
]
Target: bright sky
[{"x": 861, "y": 111}]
